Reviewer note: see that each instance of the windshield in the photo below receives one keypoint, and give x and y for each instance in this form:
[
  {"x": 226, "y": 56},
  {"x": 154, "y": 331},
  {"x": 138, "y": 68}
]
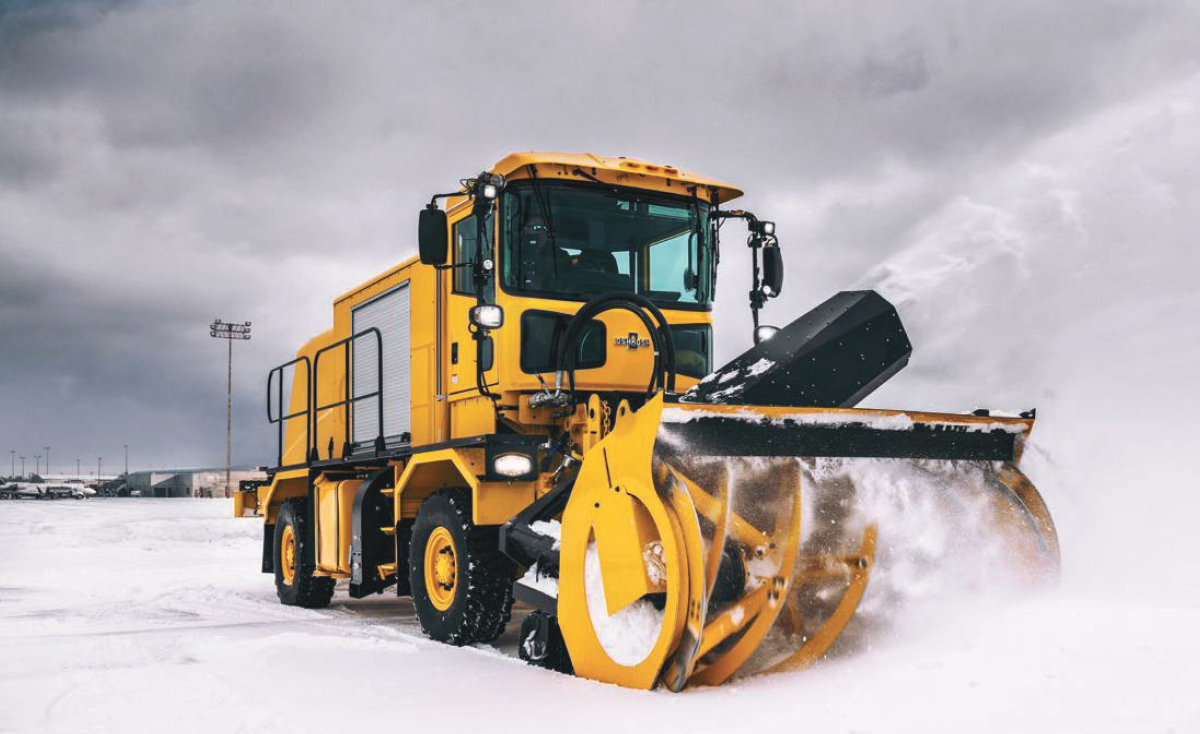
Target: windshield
[{"x": 574, "y": 241}]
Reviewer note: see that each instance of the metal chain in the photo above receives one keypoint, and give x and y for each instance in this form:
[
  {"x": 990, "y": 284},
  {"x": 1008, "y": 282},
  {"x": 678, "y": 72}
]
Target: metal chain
[{"x": 605, "y": 418}]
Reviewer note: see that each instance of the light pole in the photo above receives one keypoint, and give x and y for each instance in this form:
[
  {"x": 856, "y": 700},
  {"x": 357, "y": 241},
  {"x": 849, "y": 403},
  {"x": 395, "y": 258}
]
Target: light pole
[
  {"x": 77, "y": 474},
  {"x": 126, "y": 462},
  {"x": 22, "y": 458},
  {"x": 47, "y": 461},
  {"x": 37, "y": 465},
  {"x": 98, "y": 460},
  {"x": 13, "y": 454},
  {"x": 220, "y": 330}
]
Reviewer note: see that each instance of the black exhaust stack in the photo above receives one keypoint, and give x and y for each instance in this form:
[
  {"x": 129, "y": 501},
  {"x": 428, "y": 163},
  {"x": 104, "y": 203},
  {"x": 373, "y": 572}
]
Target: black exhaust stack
[{"x": 831, "y": 357}]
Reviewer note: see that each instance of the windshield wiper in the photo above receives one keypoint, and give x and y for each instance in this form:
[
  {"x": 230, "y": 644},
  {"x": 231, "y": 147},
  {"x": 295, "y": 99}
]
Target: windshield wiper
[
  {"x": 545, "y": 207},
  {"x": 615, "y": 189}
]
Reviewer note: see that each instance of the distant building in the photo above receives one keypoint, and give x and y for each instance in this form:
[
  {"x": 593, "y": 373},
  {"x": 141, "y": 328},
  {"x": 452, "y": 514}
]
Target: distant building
[{"x": 187, "y": 482}]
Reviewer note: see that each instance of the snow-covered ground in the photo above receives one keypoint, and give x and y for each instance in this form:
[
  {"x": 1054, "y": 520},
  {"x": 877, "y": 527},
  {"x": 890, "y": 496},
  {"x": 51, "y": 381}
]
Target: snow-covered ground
[{"x": 150, "y": 615}]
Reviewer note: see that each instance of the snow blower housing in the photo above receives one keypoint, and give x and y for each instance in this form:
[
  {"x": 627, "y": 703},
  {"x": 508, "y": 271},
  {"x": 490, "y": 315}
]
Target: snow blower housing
[{"x": 529, "y": 411}]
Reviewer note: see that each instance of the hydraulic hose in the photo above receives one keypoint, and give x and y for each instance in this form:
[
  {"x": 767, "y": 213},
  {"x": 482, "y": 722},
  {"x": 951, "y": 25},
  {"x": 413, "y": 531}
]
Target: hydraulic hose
[{"x": 663, "y": 341}]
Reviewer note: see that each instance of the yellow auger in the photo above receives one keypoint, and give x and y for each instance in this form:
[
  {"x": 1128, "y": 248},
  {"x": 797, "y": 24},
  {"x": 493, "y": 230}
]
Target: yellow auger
[
  {"x": 703, "y": 544},
  {"x": 530, "y": 410}
]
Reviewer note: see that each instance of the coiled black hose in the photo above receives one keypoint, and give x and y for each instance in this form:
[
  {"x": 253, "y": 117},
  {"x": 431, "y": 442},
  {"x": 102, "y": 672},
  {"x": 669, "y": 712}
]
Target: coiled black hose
[{"x": 660, "y": 336}]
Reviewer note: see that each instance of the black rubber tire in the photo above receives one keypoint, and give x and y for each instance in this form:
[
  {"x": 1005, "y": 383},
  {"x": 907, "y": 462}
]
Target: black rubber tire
[
  {"x": 482, "y": 603},
  {"x": 306, "y": 590}
]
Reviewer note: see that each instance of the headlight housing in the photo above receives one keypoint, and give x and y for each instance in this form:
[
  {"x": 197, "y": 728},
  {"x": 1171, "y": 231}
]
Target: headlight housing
[
  {"x": 487, "y": 316},
  {"x": 764, "y": 332},
  {"x": 513, "y": 465},
  {"x": 489, "y": 185},
  {"x": 762, "y": 227}
]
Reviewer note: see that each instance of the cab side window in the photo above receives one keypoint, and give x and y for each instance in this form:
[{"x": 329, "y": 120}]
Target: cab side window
[
  {"x": 466, "y": 248},
  {"x": 693, "y": 349}
]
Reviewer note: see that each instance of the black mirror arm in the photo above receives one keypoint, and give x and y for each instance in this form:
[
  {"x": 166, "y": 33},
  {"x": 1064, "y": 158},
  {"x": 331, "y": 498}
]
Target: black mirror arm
[
  {"x": 483, "y": 253},
  {"x": 434, "y": 199},
  {"x": 735, "y": 214},
  {"x": 757, "y": 240},
  {"x": 757, "y": 299}
]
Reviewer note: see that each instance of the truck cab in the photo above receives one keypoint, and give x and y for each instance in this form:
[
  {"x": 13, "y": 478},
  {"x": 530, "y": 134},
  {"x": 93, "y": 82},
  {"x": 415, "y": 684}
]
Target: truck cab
[{"x": 470, "y": 370}]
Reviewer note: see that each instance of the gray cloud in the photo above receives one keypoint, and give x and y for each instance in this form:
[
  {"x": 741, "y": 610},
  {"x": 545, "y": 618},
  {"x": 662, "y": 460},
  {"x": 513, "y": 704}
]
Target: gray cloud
[{"x": 164, "y": 163}]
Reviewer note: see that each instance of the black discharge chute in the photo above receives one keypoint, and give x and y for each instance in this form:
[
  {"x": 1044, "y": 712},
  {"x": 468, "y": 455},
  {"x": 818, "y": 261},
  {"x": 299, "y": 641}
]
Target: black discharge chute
[{"x": 831, "y": 357}]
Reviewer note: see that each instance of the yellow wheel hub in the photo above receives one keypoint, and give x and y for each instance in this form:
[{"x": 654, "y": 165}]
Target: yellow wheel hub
[
  {"x": 441, "y": 568},
  {"x": 287, "y": 554}
]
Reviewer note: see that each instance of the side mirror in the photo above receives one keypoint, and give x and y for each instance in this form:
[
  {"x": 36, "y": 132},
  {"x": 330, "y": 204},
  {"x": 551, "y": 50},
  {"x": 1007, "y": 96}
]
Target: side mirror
[
  {"x": 772, "y": 271},
  {"x": 433, "y": 236}
]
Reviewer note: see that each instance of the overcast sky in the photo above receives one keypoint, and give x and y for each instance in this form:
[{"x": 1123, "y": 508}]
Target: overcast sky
[{"x": 165, "y": 163}]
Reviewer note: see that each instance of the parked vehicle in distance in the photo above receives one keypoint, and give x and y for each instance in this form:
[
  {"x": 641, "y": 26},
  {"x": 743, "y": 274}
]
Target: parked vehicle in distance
[{"x": 73, "y": 489}]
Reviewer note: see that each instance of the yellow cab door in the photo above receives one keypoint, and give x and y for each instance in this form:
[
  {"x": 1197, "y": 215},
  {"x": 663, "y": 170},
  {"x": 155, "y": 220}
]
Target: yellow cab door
[{"x": 470, "y": 414}]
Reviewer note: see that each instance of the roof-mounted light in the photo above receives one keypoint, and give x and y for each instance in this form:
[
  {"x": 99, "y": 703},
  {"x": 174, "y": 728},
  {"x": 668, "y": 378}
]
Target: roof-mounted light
[{"x": 489, "y": 185}]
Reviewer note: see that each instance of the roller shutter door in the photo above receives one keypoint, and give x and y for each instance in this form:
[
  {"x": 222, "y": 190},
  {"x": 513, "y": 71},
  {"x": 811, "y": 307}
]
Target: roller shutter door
[{"x": 389, "y": 313}]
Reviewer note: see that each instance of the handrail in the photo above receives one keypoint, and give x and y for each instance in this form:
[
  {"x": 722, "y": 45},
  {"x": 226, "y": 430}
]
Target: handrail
[
  {"x": 350, "y": 399},
  {"x": 280, "y": 420}
]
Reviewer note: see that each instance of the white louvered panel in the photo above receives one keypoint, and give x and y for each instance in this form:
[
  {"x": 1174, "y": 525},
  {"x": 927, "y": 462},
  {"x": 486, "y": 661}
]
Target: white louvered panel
[{"x": 388, "y": 313}]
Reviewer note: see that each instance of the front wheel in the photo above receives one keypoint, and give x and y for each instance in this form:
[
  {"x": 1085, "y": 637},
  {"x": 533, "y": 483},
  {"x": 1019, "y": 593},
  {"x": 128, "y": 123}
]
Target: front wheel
[
  {"x": 461, "y": 584},
  {"x": 295, "y": 581}
]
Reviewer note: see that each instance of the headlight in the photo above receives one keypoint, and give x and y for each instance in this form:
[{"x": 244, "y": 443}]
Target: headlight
[
  {"x": 762, "y": 227},
  {"x": 513, "y": 465},
  {"x": 487, "y": 316},
  {"x": 488, "y": 185},
  {"x": 763, "y": 333}
]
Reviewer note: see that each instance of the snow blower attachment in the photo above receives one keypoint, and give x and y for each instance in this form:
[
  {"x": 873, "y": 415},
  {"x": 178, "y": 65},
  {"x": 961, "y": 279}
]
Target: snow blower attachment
[
  {"x": 696, "y": 554},
  {"x": 687, "y": 553},
  {"x": 529, "y": 410}
]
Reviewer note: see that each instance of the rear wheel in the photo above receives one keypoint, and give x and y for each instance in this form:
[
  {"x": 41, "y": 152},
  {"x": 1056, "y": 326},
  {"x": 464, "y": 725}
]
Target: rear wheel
[
  {"x": 460, "y": 582},
  {"x": 295, "y": 581}
]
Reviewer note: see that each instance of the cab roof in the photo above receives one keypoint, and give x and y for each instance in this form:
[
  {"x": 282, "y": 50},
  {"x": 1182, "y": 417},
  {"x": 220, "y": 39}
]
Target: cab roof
[{"x": 619, "y": 170}]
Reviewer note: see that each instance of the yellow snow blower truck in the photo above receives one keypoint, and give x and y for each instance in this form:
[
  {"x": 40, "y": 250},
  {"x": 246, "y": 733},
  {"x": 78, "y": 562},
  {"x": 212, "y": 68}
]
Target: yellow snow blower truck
[{"x": 528, "y": 410}]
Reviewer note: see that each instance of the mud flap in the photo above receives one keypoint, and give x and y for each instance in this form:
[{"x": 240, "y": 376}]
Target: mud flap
[
  {"x": 370, "y": 546},
  {"x": 268, "y": 548}
]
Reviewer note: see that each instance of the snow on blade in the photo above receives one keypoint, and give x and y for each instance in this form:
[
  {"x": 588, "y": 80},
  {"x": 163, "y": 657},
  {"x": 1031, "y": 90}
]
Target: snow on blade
[
  {"x": 536, "y": 580},
  {"x": 881, "y": 421},
  {"x": 549, "y": 528}
]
